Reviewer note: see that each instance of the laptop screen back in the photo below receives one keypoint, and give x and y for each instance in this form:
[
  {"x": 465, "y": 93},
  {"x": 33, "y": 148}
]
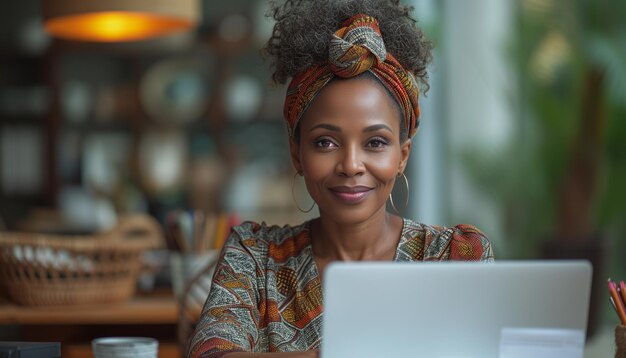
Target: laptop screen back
[{"x": 447, "y": 309}]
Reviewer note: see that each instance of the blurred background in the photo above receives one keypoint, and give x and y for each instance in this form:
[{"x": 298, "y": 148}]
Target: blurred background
[{"x": 523, "y": 129}]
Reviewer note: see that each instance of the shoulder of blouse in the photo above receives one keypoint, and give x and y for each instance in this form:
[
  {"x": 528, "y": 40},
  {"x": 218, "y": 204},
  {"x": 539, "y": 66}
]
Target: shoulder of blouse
[
  {"x": 461, "y": 242},
  {"x": 257, "y": 238}
]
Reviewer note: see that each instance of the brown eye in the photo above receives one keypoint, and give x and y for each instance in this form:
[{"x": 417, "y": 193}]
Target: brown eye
[
  {"x": 377, "y": 143},
  {"x": 324, "y": 143}
]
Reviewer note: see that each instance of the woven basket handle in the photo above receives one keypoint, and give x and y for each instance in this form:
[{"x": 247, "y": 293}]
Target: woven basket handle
[{"x": 139, "y": 225}]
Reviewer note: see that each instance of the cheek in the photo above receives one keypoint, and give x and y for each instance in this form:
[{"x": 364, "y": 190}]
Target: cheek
[
  {"x": 315, "y": 166},
  {"x": 385, "y": 168}
]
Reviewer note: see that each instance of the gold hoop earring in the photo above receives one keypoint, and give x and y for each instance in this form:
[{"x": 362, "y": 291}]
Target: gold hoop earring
[
  {"x": 293, "y": 195},
  {"x": 406, "y": 201}
]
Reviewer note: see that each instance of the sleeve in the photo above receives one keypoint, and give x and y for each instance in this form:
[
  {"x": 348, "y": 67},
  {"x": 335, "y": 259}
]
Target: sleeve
[
  {"x": 230, "y": 316},
  {"x": 469, "y": 244},
  {"x": 459, "y": 243}
]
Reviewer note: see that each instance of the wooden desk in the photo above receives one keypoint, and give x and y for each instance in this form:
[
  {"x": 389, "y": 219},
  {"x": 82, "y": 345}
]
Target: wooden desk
[
  {"x": 139, "y": 310},
  {"x": 76, "y": 326}
]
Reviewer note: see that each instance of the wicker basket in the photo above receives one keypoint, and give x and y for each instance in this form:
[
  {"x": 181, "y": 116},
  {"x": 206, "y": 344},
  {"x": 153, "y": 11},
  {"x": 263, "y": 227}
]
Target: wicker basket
[{"x": 44, "y": 270}]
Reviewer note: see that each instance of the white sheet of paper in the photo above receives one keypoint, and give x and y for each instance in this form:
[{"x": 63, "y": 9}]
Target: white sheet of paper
[{"x": 541, "y": 343}]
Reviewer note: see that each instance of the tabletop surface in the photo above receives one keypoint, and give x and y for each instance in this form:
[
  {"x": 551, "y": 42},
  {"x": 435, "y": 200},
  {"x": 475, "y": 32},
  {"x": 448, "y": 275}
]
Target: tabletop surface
[{"x": 138, "y": 310}]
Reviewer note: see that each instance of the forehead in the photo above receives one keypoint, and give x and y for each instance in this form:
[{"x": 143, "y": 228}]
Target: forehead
[{"x": 353, "y": 101}]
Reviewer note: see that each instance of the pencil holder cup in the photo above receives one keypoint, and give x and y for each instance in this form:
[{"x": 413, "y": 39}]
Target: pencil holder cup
[
  {"x": 620, "y": 341},
  {"x": 185, "y": 266}
]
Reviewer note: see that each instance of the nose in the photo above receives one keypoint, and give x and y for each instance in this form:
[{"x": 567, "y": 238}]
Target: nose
[{"x": 351, "y": 161}]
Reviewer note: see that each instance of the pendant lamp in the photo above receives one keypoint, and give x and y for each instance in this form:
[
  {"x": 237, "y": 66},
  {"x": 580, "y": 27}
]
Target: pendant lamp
[{"x": 118, "y": 20}]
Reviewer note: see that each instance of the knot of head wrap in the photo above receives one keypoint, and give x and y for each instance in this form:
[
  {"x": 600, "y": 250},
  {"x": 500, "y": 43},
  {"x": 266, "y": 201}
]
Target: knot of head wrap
[{"x": 356, "y": 47}]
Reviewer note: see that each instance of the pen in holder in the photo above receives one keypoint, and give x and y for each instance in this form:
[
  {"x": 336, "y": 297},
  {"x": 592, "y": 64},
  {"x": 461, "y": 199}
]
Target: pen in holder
[
  {"x": 620, "y": 341},
  {"x": 617, "y": 297},
  {"x": 618, "y": 301},
  {"x": 195, "y": 239}
]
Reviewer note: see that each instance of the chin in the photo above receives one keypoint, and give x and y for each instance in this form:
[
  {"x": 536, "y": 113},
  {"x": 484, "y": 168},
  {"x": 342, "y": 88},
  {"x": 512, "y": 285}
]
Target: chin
[{"x": 350, "y": 215}]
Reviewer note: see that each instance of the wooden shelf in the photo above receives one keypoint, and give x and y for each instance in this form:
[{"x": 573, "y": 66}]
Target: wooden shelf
[
  {"x": 139, "y": 310},
  {"x": 154, "y": 315}
]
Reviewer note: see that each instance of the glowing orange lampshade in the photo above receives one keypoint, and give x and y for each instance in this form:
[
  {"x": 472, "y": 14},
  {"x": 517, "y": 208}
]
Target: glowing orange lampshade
[{"x": 118, "y": 20}]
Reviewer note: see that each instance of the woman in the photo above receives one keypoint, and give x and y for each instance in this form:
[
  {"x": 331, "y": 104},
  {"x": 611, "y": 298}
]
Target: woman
[{"x": 351, "y": 109}]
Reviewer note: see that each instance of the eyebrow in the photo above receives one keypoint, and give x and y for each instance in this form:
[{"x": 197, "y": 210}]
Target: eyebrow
[
  {"x": 376, "y": 127},
  {"x": 330, "y": 127},
  {"x": 371, "y": 128}
]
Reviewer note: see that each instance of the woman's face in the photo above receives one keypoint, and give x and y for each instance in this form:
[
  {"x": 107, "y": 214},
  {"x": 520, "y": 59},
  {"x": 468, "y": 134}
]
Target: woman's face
[{"x": 350, "y": 151}]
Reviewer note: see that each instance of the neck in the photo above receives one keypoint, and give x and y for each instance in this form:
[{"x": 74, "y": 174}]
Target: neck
[{"x": 373, "y": 239}]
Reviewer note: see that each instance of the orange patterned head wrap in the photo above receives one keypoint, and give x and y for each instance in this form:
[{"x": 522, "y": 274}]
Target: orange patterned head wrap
[{"x": 355, "y": 48}]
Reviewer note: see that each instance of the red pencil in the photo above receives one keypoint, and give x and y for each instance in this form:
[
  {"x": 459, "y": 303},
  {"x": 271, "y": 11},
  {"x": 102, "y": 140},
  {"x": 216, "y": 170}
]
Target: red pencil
[
  {"x": 622, "y": 290},
  {"x": 613, "y": 304},
  {"x": 619, "y": 305}
]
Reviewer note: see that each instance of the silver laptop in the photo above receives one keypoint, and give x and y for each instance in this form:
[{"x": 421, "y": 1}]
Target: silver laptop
[{"x": 447, "y": 309}]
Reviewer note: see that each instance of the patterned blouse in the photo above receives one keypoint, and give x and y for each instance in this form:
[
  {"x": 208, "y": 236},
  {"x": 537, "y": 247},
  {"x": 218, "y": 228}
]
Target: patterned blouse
[{"x": 266, "y": 294}]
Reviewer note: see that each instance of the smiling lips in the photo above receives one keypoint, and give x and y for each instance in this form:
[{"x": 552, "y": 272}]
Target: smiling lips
[{"x": 350, "y": 194}]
